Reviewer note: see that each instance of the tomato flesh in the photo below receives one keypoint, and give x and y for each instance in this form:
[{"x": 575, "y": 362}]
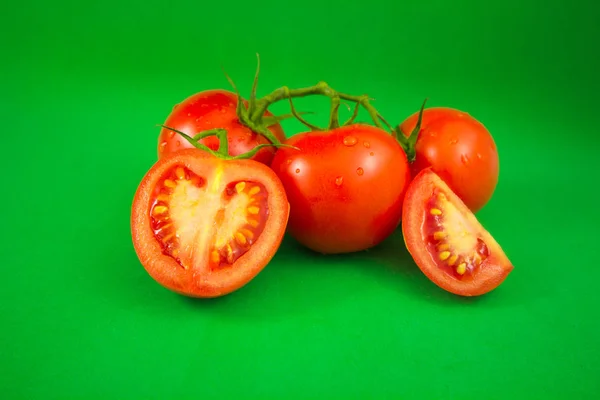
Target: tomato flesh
[
  {"x": 239, "y": 215},
  {"x": 205, "y": 227},
  {"x": 446, "y": 240},
  {"x": 212, "y": 109}
]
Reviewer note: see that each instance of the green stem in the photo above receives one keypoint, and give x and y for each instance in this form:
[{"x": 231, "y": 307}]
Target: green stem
[
  {"x": 350, "y": 120},
  {"x": 253, "y": 117},
  {"x": 252, "y": 101},
  {"x": 322, "y": 89},
  {"x": 334, "y": 117}
]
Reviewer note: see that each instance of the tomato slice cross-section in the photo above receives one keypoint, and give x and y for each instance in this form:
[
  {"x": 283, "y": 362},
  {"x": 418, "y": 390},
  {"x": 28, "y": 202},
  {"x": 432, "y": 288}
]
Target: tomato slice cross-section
[
  {"x": 447, "y": 241},
  {"x": 203, "y": 226}
]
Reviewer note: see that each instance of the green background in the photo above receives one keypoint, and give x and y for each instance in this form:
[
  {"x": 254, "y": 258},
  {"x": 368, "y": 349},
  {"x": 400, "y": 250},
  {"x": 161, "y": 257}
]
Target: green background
[{"x": 83, "y": 85}]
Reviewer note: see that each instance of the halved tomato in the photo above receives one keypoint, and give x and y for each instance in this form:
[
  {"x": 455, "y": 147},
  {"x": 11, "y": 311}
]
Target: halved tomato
[
  {"x": 447, "y": 241},
  {"x": 203, "y": 226}
]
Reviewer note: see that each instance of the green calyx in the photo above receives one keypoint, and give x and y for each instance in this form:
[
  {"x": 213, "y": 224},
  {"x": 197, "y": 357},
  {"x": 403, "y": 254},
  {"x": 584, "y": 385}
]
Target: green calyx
[
  {"x": 408, "y": 143},
  {"x": 223, "y": 151}
]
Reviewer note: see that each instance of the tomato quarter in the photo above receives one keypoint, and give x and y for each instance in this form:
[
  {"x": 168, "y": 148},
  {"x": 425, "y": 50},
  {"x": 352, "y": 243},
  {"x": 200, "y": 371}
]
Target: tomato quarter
[
  {"x": 204, "y": 226},
  {"x": 212, "y": 109},
  {"x": 459, "y": 149},
  {"x": 345, "y": 187},
  {"x": 447, "y": 241}
]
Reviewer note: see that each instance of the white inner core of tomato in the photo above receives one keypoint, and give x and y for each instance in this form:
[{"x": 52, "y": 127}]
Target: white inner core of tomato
[
  {"x": 207, "y": 224},
  {"x": 453, "y": 244},
  {"x": 457, "y": 227}
]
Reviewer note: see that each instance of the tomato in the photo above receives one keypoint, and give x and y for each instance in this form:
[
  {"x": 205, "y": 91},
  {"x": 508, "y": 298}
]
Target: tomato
[
  {"x": 212, "y": 109},
  {"x": 447, "y": 241},
  {"x": 203, "y": 226},
  {"x": 460, "y": 149},
  {"x": 345, "y": 187}
]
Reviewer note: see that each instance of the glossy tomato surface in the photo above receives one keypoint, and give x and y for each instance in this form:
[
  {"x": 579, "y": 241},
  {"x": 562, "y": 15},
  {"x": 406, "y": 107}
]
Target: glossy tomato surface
[
  {"x": 212, "y": 109},
  {"x": 460, "y": 149},
  {"x": 205, "y": 227},
  {"x": 345, "y": 187},
  {"x": 447, "y": 241}
]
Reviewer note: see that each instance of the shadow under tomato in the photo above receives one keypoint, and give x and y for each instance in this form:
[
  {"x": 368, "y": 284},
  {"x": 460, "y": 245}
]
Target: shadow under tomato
[{"x": 299, "y": 281}]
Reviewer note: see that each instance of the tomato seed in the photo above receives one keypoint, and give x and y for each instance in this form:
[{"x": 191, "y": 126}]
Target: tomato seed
[{"x": 159, "y": 210}]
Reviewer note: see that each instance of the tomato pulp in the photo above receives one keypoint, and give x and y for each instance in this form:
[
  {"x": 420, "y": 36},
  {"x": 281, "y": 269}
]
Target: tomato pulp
[
  {"x": 212, "y": 109},
  {"x": 203, "y": 226},
  {"x": 345, "y": 187},
  {"x": 447, "y": 241},
  {"x": 459, "y": 149}
]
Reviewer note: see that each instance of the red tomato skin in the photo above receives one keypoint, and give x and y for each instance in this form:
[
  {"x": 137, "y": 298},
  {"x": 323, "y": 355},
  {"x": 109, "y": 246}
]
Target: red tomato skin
[
  {"x": 212, "y": 109},
  {"x": 460, "y": 150},
  {"x": 345, "y": 187}
]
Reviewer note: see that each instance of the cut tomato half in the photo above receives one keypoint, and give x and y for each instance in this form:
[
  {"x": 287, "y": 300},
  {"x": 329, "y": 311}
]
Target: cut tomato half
[
  {"x": 447, "y": 241},
  {"x": 203, "y": 226}
]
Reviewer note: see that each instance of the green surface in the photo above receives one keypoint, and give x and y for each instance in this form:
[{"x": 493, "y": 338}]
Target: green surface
[{"x": 83, "y": 86}]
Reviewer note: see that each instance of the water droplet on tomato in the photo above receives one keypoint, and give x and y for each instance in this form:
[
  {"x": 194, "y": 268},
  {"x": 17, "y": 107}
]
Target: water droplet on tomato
[
  {"x": 371, "y": 154},
  {"x": 288, "y": 161},
  {"x": 339, "y": 180},
  {"x": 350, "y": 141},
  {"x": 175, "y": 106},
  {"x": 454, "y": 141},
  {"x": 297, "y": 170},
  {"x": 162, "y": 146},
  {"x": 367, "y": 144},
  {"x": 189, "y": 114},
  {"x": 464, "y": 159},
  {"x": 360, "y": 171},
  {"x": 171, "y": 134},
  {"x": 479, "y": 156},
  {"x": 178, "y": 143}
]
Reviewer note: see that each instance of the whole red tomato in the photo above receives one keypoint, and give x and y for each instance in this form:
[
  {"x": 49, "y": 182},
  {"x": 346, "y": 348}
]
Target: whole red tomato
[
  {"x": 459, "y": 149},
  {"x": 212, "y": 109},
  {"x": 345, "y": 187}
]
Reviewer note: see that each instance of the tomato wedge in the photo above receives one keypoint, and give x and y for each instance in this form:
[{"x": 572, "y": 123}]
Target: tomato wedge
[
  {"x": 203, "y": 226},
  {"x": 446, "y": 240}
]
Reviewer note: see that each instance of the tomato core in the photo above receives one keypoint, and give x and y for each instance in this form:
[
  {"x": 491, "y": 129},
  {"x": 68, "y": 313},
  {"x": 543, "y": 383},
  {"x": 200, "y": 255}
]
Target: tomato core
[{"x": 197, "y": 223}]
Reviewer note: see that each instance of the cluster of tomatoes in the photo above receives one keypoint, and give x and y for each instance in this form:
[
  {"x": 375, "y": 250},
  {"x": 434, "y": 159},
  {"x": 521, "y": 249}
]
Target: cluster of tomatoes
[{"x": 228, "y": 184}]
